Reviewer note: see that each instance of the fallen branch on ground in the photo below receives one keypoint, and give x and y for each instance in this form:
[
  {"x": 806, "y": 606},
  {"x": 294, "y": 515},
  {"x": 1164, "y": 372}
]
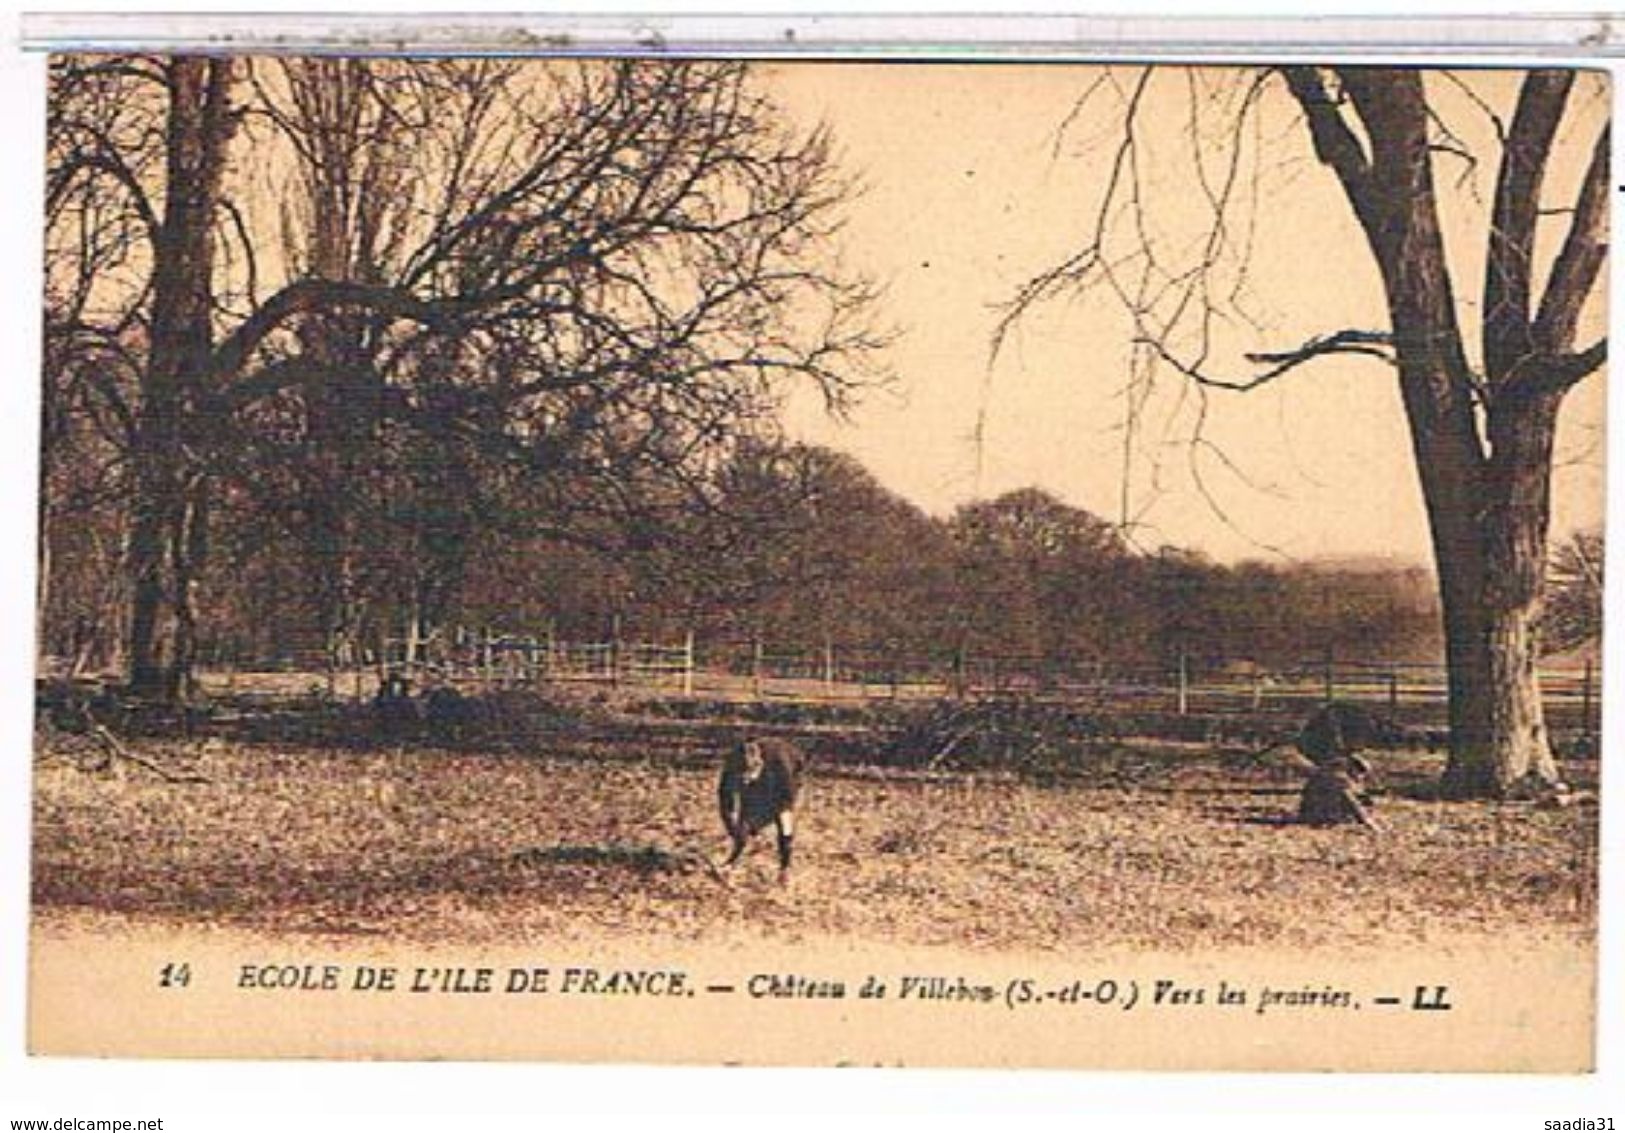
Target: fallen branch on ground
[{"x": 117, "y": 750}]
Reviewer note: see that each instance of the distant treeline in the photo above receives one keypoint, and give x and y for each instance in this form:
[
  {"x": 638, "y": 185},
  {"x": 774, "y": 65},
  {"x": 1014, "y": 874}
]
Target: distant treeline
[
  {"x": 799, "y": 547},
  {"x": 809, "y": 549}
]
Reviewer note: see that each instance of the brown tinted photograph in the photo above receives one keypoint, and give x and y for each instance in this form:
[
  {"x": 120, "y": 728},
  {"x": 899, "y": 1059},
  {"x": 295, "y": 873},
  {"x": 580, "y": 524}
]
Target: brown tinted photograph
[{"x": 820, "y": 563}]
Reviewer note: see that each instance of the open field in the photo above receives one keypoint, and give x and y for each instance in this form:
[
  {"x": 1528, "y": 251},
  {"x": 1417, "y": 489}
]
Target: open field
[{"x": 1161, "y": 846}]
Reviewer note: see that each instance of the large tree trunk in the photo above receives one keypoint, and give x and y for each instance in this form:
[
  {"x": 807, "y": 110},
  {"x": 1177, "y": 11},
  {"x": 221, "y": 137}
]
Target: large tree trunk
[
  {"x": 334, "y": 491},
  {"x": 1488, "y": 510},
  {"x": 1489, "y": 529},
  {"x": 1515, "y": 752},
  {"x": 148, "y": 652},
  {"x": 1499, "y": 742},
  {"x": 170, "y": 499}
]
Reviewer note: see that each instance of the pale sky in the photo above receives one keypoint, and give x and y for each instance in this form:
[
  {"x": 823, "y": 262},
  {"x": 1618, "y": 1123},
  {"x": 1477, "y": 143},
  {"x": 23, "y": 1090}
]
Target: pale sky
[{"x": 966, "y": 199}]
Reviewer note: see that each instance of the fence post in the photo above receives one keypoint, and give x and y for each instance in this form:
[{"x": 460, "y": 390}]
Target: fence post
[
  {"x": 1184, "y": 684},
  {"x": 688, "y": 664},
  {"x": 1331, "y": 682},
  {"x": 829, "y": 665},
  {"x": 1585, "y": 709},
  {"x": 615, "y": 650},
  {"x": 1393, "y": 693},
  {"x": 756, "y": 667}
]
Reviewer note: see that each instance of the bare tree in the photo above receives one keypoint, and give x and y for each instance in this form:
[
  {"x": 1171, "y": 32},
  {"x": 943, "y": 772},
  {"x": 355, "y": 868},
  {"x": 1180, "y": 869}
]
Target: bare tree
[
  {"x": 101, "y": 148},
  {"x": 1573, "y": 613},
  {"x": 592, "y": 278},
  {"x": 349, "y": 124},
  {"x": 1038, "y": 577},
  {"x": 148, "y": 139},
  {"x": 1482, "y": 407}
]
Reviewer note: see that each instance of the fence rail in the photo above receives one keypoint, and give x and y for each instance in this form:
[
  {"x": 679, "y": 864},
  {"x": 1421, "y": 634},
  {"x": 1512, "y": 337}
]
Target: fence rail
[{"x": 1413, "y": 692}]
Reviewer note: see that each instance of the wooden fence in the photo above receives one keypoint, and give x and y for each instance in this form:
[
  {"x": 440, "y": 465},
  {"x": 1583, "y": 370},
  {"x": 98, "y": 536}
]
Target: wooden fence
[
  {"x": 749, "y": 669},
  {"x": 502, "y": 660},
  {"x": 1413, "y": 693}
]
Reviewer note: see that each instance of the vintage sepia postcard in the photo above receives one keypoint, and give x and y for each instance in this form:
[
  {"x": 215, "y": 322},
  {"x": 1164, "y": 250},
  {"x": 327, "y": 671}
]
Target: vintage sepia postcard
[{"x": 820, "y": 562}]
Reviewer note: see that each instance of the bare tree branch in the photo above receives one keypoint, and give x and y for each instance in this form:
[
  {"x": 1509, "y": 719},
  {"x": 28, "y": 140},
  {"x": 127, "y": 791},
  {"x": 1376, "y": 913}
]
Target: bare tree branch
[
  {"x": 106, "y": 161},
  {"x": 1372, "y": 344},
  {"x": 1510, "y": 266},
  {"x": 1578, "y": 263},
  {"x": 1335, "y": 143},
  {"x": 1497, "y": 122},
  {"x": 1554, "y": 373}
]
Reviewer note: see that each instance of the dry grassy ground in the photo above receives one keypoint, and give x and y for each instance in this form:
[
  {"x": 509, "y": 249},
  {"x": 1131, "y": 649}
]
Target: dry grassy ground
[{"x": 1159, "y": 847}]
